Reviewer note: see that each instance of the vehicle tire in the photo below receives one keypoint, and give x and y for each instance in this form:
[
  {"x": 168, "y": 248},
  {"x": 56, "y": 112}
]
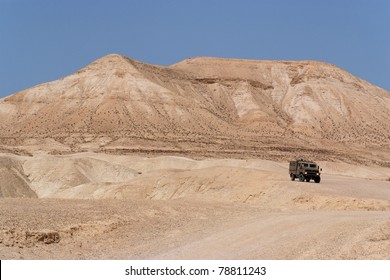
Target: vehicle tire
[
  {"x": 301, "y": 178},
  {"x": 307, "y": 179},
  {"x": 317, "y": 180},
  {"x": 292, "y": 176}
]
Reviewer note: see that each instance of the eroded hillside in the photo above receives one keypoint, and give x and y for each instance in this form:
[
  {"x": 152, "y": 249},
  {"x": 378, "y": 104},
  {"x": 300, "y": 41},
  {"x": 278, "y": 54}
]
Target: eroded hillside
[{"x": 202, "y": 107}]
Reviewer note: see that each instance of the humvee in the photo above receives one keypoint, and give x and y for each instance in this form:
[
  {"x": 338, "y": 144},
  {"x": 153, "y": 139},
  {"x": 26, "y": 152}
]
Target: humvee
[{"x": 304, "y": 171}]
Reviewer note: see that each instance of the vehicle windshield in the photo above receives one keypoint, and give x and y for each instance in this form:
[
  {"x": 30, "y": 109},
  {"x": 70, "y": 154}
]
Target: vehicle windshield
[{"x": 313, "y": 166}]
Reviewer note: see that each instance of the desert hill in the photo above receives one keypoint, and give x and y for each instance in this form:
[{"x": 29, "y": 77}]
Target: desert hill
[
  {"x": 126, "y": 160},
  {"x": 201, "y": 106}
]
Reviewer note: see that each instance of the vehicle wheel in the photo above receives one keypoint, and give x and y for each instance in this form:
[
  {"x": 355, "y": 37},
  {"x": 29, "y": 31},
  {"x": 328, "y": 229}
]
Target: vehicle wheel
[
  {"x": 317, "y": 180},
  {"x": 307, "y": 179},
  {"x": 292, "y": 176},
  {"x": 301, "y": 178}
]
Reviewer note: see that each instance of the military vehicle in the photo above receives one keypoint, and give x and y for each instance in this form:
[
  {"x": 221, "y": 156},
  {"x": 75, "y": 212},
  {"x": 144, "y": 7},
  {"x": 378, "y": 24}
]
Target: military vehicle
[{"x": 304, "y": 170}]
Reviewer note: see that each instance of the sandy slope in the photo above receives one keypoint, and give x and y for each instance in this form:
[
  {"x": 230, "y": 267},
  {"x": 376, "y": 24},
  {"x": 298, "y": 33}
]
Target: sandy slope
[
  {"x": 13, "y": 181},
  {"x": 225, "y": 108},
  {"x": 180, "y": 208}
]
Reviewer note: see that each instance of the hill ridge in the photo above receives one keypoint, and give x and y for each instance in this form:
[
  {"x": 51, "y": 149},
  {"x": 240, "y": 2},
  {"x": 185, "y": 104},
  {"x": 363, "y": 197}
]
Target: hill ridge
[{"x": 200, "y": 105}]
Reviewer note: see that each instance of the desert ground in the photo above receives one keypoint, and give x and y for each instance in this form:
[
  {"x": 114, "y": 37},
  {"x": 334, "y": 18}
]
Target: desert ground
[
  {"x": 100, "y": 206},
  {"x": 128, "y": 160}
]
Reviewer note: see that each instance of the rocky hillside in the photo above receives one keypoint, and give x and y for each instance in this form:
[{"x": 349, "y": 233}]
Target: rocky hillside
[{"x": 201, "y": 107}]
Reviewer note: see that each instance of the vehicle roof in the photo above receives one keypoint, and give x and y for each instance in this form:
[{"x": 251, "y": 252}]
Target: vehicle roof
[{"x": 305, "y": 161}]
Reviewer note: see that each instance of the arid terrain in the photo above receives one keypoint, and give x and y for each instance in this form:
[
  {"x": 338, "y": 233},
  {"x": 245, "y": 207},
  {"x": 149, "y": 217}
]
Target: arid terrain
[{"x": 126, "y": 160}]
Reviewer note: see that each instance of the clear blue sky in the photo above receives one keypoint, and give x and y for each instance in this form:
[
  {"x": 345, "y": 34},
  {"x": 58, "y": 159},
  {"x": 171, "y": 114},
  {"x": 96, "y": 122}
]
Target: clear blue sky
[{"x": 43, "y": 40}]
